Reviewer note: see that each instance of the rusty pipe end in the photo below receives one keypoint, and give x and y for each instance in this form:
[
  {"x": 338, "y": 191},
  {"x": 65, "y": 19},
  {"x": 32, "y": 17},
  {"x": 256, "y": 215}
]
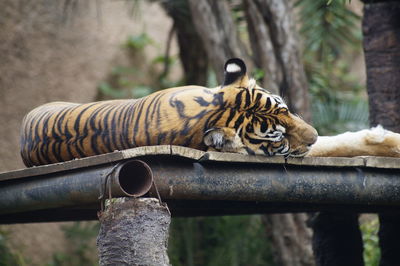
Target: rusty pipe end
[{"x": 132, "y": 178}]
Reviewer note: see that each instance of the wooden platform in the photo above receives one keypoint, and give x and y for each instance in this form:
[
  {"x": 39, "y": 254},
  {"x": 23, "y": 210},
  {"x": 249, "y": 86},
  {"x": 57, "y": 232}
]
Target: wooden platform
[{"x": 197, "y": 155}]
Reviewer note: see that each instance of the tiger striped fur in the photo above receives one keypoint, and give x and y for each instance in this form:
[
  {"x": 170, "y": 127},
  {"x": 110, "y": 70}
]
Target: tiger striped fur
[{"x": 238, "y": 116}]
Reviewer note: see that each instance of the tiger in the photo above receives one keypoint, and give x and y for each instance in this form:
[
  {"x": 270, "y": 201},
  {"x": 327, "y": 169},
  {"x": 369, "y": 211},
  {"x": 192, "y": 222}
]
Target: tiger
[{"x": 238, "y": 116}]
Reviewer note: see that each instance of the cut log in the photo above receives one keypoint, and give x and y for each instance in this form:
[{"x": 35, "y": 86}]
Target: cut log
[{"x": 134, "y": 232}]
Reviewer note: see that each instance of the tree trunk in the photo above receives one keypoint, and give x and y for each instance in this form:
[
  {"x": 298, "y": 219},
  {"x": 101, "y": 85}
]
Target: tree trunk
[
  {"x": 285, "y": 64},
  {"x": 134, "y": 232},
  {"x": 290, "y": 237},
  {"x": 263, "y": 49},
  {"x": 193, "y": 54},
  {"x": 381, "y": 29},
  {"x": 337, "y": 239},
  {"x": 216, "y": 28}
]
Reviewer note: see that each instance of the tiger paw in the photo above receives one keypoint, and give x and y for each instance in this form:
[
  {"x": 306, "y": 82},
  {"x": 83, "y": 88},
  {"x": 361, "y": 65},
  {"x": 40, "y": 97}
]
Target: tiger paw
[{"x": 223, "y": 139}]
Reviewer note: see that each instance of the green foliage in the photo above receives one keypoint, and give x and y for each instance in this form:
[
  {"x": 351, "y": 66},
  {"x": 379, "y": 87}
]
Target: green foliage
[
  {"x": 214, "y": 241},
  {"x": 163, "y": 60},
  {"x": 332, "y": 83},
  {"x": 212, "y": 79},
  {"x": 328, "y": 29},
  {"x": 128, "y": 81},
  {"x": 8, "y": 257},
  {"x": 111, "y": 92},
  {"x": 333, "y": 118},
  {"x": 123, "y": 80},
  {"x": 338, "y": 103},
  {"x": 372, "y": 252},
  {"x": 341, "y": 1},
  {"x": 139, "y": 42},
  {"x": 81, "y": 238},
  {"x": 166, "y": 62},
  {"x": 140, "y": 91},
  {"x": 258, "y": 73},
  {"x": 117, "y": 93},
  {"x": 332, "y": 37}
]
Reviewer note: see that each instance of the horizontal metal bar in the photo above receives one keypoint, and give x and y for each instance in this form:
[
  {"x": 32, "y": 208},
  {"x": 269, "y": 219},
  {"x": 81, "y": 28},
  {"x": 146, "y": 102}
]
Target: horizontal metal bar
[
  {"x": 76, "y": 187},
  {"x": 276, "y": 183}
]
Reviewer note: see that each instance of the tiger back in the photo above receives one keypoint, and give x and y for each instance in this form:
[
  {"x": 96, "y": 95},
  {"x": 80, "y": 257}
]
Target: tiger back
[{"x": 238, "y": 116}]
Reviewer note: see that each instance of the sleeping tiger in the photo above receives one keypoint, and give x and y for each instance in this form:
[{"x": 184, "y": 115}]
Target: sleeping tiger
[{"x": 238, "y": 116}]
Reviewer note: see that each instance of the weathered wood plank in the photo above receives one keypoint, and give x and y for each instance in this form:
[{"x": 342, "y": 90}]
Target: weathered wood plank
[{"x": 197, "y": 155}]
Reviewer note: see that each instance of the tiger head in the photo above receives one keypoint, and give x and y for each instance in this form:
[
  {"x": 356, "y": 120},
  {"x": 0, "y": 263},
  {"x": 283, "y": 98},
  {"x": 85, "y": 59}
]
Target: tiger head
[{"x": 257, "y": 122}]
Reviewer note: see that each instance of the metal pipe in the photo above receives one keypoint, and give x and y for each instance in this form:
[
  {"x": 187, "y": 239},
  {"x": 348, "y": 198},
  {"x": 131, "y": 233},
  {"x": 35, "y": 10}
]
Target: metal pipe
[
  {"x": 73, "y": 188},
  {"x": 132, "y": 178},
  {"x": 276, "y": 183}
]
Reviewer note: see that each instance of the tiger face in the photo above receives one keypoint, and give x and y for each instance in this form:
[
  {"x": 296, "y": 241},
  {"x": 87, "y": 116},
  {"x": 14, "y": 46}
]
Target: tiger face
[{"x": 260, "y": 122}]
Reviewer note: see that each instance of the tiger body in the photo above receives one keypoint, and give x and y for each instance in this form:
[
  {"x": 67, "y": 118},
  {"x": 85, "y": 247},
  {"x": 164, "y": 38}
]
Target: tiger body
[
  {"x": 62, "y": 131},
  {"x": 235, "y": 117}
]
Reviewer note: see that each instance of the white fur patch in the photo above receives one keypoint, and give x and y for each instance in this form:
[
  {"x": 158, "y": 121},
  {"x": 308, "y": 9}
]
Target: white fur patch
[
  {"x": 281, "y": 128},
  {"x": 375, "y": 135},
  {"x": 252, "y": 83},
  {"x": 233, "y": 68}
]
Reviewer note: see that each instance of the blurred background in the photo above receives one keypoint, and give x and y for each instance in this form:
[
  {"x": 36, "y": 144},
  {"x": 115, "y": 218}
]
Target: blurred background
[{"x": 308, "y": 51}]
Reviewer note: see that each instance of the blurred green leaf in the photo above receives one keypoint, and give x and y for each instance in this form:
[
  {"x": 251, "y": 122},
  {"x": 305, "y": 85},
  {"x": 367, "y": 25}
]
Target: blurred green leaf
[
  {"x": 332, "y": 118},
  {"x": 141, "y": 91},
  {"x": 214, "y": 241},
  {"x": 81, "y": 236},
  {"x": 328, "y": 27},
  {"x": 8, "y": 256},
  {"x": 162, "y": 59},
  {"x": 331, "y": 32},
  {"x": 258, "y": 73},
  {"x": 138, "y": 42},
  {"x": 109, "y": 91},
  {"x": 212, "y": 79},
  {"x": 123, "y": 70},
  {"x": 372, "y": 252}
]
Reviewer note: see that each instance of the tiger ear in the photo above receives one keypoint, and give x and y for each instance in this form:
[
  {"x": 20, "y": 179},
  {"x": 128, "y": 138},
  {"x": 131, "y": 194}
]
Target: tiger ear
[{"x": 235, "y": 72}]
